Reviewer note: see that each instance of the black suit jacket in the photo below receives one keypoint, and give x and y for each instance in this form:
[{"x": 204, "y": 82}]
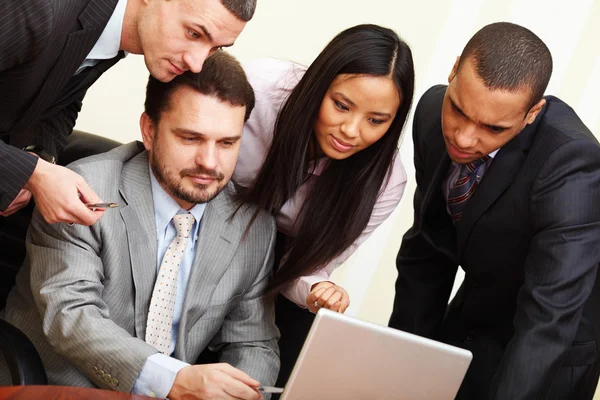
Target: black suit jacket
[
  {"x": 42, "y": 44},
  {"x": 529, "y": 243}
]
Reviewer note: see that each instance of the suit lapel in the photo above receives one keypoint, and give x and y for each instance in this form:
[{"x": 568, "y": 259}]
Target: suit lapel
[
  {"x": 218, "y": 239},
  {"x": 502, "y": 172},
  {"x": 138, "y": 216},
  {"x": 93, "y": 20},
  {"x": 437, "y": 181}
]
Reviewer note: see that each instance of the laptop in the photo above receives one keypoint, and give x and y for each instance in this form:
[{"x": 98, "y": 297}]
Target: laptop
[{"x": 346, "y": 358}]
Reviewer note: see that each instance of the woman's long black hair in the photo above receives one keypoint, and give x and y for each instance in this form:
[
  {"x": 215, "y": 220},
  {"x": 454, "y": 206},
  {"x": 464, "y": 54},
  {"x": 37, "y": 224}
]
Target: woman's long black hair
[{"x": 340, "y": 204}]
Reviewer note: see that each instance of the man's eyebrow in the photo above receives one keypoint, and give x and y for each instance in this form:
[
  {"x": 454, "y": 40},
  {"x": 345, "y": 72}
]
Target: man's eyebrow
[
  {"x": 184, "y": 131},
  {"x": 350, "y": 102},
  {"x": 460, "y": 111},
  {"x": 457, "y": 108},
  {"x": 208, "y": 35},
  {"x": 496, "y": 127},
  {"x": 204, "y": 30},
  {"x": 231, "y": 138}
]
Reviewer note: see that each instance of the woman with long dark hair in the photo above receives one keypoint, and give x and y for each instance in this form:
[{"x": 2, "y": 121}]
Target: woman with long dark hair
[{"x": 320, "y": 152}]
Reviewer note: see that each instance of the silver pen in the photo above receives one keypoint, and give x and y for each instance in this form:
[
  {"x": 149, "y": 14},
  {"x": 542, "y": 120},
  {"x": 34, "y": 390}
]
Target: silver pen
[
  {"x": 101, "y": 205},
  {"x": 270, "y": 389}
]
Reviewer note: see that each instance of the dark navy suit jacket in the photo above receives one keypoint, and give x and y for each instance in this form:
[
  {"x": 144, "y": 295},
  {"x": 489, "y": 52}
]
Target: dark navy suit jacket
[
  {"x": 529, "y": 243},
  {"x": 42, "y": 43}
]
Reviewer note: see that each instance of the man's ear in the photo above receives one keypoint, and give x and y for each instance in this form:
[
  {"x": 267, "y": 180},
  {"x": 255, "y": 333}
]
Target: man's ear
[
  {"x": 454, "y": 70},
  {"x": 147, "y": 128},
  {"x": 534, "y": 111}
]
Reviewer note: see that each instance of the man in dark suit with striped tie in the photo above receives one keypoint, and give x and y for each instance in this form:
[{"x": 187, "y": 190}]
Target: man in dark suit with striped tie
[
  {"x": 508, "y": 187},
  {"x": 52, "y": 51}
]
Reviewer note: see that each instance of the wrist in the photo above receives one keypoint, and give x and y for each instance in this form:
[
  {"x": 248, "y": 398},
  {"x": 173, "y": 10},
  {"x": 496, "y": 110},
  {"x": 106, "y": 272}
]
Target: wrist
[
  {"x": 41, "y": 152},
  {"x": 174, "y": 392},
  {"x": 39, "y": 173}
]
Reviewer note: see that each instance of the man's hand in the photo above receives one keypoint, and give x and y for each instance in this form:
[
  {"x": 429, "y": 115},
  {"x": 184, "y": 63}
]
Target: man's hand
[
  {"x": 213, "y": 381},
  {"x": 327, "y": 294},
  {"x": 19, "y": 202},
  {"x": 61, "y": 195}
]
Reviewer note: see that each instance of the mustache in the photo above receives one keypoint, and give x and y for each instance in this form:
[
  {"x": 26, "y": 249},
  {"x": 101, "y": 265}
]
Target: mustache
[{"x": 200, "y": 170}]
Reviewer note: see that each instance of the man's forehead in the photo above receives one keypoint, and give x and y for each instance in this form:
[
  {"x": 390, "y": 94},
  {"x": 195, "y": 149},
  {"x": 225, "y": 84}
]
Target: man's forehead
[
  {"x": 469, "y": 85},
  {"x": 474, "y": 98}
]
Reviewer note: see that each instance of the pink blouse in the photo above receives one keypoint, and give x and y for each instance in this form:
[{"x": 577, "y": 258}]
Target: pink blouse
[{"x": 273, "y": 80}]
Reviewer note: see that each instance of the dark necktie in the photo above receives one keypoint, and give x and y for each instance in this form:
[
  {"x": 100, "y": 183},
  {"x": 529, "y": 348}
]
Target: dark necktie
[{"x": 464, "y": 187}]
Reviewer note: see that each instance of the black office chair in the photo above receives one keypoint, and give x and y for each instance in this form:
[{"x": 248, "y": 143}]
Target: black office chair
[
  {"x": 23, "y": 361},
  {"x": 21, "y": 357}
]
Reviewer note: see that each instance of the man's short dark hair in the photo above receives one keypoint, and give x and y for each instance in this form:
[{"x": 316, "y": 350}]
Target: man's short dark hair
[
  {"x": 242, "y": 9},
  {"x": 510, "y": 57},
  {"x": 222, "y": 76}
]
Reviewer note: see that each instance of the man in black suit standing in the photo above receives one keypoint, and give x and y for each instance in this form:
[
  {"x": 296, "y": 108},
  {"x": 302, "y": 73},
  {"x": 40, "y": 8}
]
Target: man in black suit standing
[
  {"x": 52, "y": 51},
  {"x": 508, "y": 187}
]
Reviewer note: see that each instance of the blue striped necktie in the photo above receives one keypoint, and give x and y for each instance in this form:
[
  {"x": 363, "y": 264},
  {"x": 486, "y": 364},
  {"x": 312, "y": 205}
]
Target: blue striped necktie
[{"x": 464, "y": 187}]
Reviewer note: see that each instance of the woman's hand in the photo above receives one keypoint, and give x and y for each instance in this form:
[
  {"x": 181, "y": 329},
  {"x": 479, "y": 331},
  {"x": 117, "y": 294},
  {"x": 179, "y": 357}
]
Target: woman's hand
[{"x": 327, "y": 294}]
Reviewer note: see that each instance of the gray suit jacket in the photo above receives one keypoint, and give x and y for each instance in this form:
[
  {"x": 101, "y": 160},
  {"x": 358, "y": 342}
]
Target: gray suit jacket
[{"x": 83, "y": 294}]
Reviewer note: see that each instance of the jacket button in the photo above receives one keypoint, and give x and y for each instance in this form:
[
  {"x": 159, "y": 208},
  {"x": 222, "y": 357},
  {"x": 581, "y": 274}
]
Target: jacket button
[
  {"x": 473, "y": 283},
  {"x": 470, "y": 336}
]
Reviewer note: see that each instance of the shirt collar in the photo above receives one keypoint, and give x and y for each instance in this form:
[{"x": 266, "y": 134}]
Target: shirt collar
[
  {"x": 165, "y": 208},
  {"x": 493, "y": 153},
  {"x": 316, "y": 167},
  {"x": 109, "y": 42}
]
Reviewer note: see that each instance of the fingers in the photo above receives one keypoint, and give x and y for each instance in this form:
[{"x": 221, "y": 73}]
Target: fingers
[
  {"x": 80, "y": 214},
  {"x": 238, "y": 374},
  {"x": 344, "y": 303},
  {"x": 60, "y": 195},
  {"x": 213, "y": 381},
  {"x": 319, "y": 292},
  {"x": 238, "y": 390},
  {"x": 328, "y": 295},
  {"x": 333, "y": 300},
  {"x": 87, "y": 193},
  {"x": 315, "y": 293},
  {"x": 237, "y": 383}
]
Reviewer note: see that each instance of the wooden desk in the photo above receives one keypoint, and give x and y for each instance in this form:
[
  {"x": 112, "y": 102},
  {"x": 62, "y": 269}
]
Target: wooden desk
[{"x": 64, "y": 393}]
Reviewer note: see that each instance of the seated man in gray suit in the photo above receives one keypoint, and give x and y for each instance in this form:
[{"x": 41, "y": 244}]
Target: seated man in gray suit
[{"x": 131, "y": 301}]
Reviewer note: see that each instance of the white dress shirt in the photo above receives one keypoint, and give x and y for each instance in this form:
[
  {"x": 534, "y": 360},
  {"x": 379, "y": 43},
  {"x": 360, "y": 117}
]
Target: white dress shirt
[{"x": 109, "y": 42}]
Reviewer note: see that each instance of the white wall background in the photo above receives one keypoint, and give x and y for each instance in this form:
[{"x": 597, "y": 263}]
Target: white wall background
[{"x": 437, "y": 31}]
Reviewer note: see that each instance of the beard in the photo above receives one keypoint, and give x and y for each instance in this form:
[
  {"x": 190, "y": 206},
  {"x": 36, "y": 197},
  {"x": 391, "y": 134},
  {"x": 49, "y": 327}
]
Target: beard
[{"x": 173, "y": 184}]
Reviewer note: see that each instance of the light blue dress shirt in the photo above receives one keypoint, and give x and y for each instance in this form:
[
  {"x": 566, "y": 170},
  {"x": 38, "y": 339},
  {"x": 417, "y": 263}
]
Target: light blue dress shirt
[
  {"x": 109, "y": 42},
  {"x": 159, "y": 371}
]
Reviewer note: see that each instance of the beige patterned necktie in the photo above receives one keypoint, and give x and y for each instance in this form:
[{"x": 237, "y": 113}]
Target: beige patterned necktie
[{"x": 162, "y": 304}]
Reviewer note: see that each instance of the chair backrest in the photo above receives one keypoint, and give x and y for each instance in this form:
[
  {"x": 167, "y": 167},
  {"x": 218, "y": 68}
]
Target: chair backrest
[
  {"x": 22, "y": 359},
  {"x": 82, "y": 144}
]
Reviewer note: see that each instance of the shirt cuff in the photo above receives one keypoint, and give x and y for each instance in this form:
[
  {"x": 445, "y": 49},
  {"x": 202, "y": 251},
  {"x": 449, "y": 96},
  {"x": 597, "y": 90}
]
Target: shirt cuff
[
  {"x": 157, "y": 376},
  {"x": 300, "y": 288}
]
